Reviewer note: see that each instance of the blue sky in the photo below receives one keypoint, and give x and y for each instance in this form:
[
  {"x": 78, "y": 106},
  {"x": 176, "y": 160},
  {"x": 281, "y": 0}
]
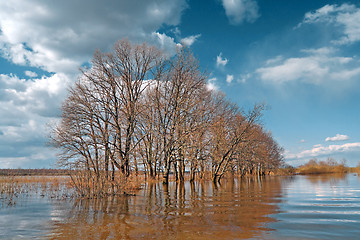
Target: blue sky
[{"x": 300, "y": 57}]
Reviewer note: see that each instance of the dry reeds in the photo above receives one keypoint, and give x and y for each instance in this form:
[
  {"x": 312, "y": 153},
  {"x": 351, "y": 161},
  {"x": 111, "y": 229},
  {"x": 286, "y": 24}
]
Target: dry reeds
[
  {"x": 13, "y": 188},
  {"x": 80, "y": 184},
  {"x": 91, "y": 185}
]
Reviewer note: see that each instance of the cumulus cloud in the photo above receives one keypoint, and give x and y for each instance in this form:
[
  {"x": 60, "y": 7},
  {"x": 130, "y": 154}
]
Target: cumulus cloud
[
  {"x": 319, "y": 150},
  {"x": 41, "y": 96},
  {"x": 26, "y": 107},
  {"x": 220, "y": 61},
  {"x": 165, "y": 42},
  {"x": 337, "y": 137},
  {"x": 229, "y": 78},
  {"x": 188, "y": 41},
  {"x": 60, "y": 36},
  {"x": 318, "y": 66},
  {"x": 322, "y": 66},
  {"x": 346, "y": 17},
  {"x": 239, "y": 11}
]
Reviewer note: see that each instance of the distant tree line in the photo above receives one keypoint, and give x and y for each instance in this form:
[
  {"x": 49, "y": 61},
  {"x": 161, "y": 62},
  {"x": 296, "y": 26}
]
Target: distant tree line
[
  {"x": 137, "y": 110},
  {"x": 34, "y": 172}
]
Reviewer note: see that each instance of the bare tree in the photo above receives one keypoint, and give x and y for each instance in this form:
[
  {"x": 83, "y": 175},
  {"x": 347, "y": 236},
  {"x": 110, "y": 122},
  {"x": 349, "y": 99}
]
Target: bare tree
[
  {"x": 176, "y": 97},
  {"x": 101, "y": 113},
  {"x": 122, "y": 77},
  {"x": 229, "y": 131}
]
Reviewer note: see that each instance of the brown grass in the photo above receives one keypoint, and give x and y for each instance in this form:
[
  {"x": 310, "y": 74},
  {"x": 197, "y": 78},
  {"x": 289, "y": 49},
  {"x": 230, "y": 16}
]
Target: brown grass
[
  {"x": 12, "y": 188},
  {"x": 87, "y": 184}
]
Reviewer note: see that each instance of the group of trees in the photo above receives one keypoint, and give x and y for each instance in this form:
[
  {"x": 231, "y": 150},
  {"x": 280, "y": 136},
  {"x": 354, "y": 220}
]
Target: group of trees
[{"x": 137, "y": 110}]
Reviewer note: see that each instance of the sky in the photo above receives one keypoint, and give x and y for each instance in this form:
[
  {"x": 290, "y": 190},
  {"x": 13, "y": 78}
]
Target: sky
[{"x": 300, "y": 57}]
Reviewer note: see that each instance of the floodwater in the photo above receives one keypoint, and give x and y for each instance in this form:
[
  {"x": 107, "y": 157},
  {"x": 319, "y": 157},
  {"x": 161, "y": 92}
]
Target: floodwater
[{"x": 296, "y": 207}]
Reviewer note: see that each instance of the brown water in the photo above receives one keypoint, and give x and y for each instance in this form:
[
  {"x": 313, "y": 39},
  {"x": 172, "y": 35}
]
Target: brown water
[{"x": 298, "y": 207}]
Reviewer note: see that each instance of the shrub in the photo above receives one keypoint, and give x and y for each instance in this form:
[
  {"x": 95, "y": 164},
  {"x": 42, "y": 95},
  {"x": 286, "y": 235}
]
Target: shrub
[{"x": 329, "y": 166}]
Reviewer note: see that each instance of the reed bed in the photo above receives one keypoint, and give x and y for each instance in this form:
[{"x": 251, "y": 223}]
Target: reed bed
[
  {"x": 87, "y": 184},
  {"x": 14, "y": 188},
  {"x": 77, "y": 185}
]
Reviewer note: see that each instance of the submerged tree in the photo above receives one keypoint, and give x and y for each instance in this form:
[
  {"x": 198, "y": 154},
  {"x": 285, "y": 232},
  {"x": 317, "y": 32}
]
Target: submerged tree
[
  {"x": 137, "y": 109},
  {"x": 100, "y": 115}
]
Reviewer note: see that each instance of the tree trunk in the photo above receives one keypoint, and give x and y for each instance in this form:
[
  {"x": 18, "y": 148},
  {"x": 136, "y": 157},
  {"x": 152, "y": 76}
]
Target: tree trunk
[{"x": 166, "y": 172}]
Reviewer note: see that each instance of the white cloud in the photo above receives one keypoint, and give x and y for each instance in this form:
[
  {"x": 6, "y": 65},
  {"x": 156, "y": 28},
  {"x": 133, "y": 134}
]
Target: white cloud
[
  {"x": 324, "y": 51},
  {"x": 239, "y": 11},
  {"x": 211, "y": 84},
  {"x": 293, "y": 69},
  {"x": 229, "y": 78},
  {"x": 346, "y": 17},
  {"x": 188, "y": 41},
  {"x": 351, "y": 23},
  {"x": 319, "y": 150},
  {"x": 319, "y": 66},
  {"x": 42, "y": 95},
  {"x": 275, "y": 60},
  {"x": 337, "y": 137},
  {"x": 39, "y": 97},
  {"x": 26, "y": 106},
  {"x": 324, "y": 14},
  {"x": 220, "y": 61},
  {"x": 60, "y": 36},
  {"x": 165, "y": 42},
  {"x": 31, "y": 74}
]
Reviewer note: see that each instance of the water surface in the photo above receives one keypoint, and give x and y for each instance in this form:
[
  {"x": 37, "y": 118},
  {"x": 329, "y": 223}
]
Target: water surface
[
  {"x": 296, "y": 207},
  {"x": 318, "y": 207}
]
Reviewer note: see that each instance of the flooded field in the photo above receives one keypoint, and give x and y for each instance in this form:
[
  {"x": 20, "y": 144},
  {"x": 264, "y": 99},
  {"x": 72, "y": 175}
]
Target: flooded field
[{"x": 296, "y": 207}]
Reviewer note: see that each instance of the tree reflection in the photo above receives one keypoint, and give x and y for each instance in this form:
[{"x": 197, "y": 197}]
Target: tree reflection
[
  {"x": 239, "y": 208},
  {"x": 332, "y": 179}
]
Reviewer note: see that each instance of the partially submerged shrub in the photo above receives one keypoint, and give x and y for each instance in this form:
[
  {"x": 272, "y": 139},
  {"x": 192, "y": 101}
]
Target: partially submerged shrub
[
  {"x": 285, "y": 170},
  {"x": 321, "y": 167}
]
